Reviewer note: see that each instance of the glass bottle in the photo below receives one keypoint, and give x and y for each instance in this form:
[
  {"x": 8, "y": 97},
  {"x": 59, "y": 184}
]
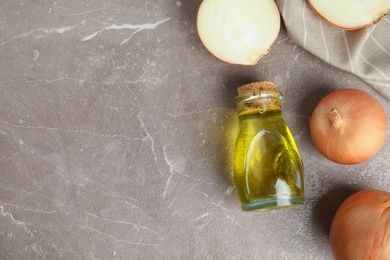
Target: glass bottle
[{"x": 268, "y": 170}]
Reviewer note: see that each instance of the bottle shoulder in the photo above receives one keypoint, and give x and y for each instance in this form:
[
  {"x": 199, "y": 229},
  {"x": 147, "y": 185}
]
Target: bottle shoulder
[{"x": 251, "y": 124}]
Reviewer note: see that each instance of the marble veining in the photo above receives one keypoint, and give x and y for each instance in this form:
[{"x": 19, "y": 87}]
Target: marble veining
[{"x": 117, "y": 130}]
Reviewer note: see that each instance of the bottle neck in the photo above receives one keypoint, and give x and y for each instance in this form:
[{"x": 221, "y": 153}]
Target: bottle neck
[{"x": 264, "y": 101}]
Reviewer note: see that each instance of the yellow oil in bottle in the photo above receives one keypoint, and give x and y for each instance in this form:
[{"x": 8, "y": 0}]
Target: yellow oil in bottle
[{"x": 268, "y": 171}]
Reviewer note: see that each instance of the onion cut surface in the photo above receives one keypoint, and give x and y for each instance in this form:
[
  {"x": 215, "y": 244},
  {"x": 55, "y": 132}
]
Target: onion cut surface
[
  {"x": 350, "y": 14},
  {"x": 237, "y": 31}
]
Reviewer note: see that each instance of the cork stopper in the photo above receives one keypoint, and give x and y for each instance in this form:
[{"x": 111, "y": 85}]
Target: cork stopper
[
  {"x": 258, "y": 97},
  {"x": 255, "y": 88}
]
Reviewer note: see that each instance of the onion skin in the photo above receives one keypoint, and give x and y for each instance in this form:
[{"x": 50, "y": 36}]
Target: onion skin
[
  {"x": 348, "y": 126},
  {"x": 361, "y": 227}
]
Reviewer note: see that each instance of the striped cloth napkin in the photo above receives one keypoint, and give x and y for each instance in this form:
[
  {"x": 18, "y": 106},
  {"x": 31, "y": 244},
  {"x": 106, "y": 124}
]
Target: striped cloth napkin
[{"x": 364, "y": 52}]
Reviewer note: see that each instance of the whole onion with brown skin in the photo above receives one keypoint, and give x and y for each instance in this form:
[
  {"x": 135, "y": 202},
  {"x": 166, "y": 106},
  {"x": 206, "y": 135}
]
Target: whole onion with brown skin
[
  {"x": 348, "y": 126},
  {"x": 361, "y": 227}
]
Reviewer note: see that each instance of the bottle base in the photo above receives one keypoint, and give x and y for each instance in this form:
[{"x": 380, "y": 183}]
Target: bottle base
[{"x": 272, "y": 204}]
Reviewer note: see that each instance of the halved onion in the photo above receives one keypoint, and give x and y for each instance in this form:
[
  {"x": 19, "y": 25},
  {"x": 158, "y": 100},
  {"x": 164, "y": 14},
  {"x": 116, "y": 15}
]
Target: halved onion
[
  {"x": 350, "y": 14},
  {"x": 237, "y": 31}
]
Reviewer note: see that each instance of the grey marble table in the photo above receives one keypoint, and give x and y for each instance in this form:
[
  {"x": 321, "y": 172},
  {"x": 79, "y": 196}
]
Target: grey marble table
[{"x": 116, "y": 136}]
